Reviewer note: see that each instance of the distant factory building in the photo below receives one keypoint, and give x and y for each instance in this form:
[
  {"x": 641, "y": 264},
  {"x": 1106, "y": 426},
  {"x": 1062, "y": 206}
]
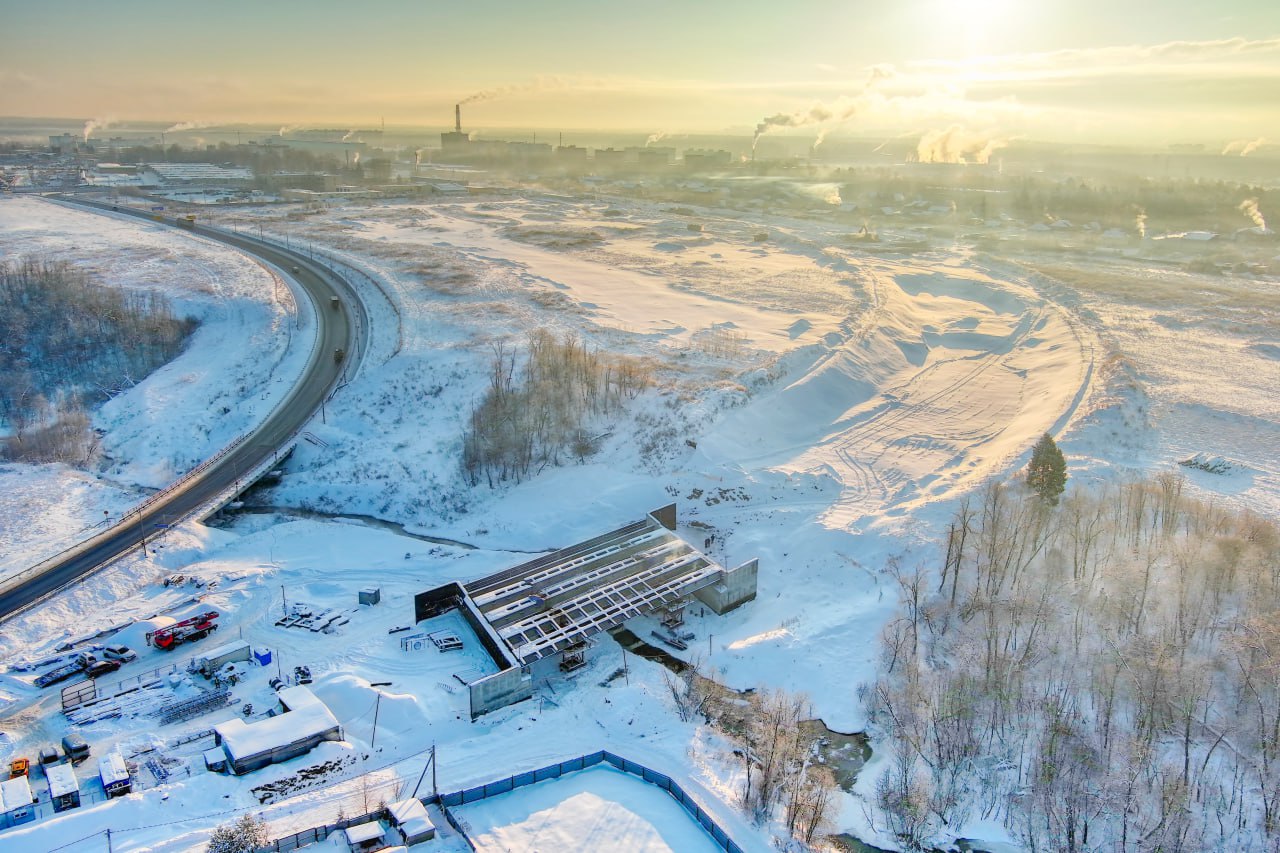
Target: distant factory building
[
  {"x": 571, "y": 154},
  {"x": 654, "y": 157},
  {"x": 65, "y": 143},
  {"x": 541, "y": 613},
  {"x": 314, "y": 181},
  {"x": 305, "y": 723},
  {"x": 197, "y": 174},
  {"x": 610, "y": 157},
  {"x": 455, "y": 141},
  {"x": 699, "y": 160}
]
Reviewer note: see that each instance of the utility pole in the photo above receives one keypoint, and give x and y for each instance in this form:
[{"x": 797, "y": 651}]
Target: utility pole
[
  {"x": 625, "y": 673},
  {"x": 377, "y": 704},
  {"x": 284, "y": 605}
]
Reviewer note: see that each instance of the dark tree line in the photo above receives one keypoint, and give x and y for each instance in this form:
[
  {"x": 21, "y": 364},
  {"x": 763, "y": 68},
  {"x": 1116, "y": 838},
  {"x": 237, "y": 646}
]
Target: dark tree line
[
  {"x": 65, "y": 338},
  {"x": 539, "y": 413}
]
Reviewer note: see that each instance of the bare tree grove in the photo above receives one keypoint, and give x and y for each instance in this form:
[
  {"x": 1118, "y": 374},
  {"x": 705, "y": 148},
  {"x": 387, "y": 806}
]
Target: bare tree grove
[
  {"x": 1100, "y": 675},
  {"x": 540, "y": 413},
  {"x": 65, "y": 339}
]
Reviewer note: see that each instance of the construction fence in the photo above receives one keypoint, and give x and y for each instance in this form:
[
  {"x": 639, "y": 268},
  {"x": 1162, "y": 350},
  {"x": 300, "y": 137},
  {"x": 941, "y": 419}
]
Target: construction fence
[{"x": 519, "y": 780}]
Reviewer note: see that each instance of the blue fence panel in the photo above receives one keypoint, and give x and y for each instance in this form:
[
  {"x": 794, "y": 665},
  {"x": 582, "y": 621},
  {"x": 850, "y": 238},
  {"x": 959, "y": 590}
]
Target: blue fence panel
[
  {"x": 545, "y": 773},
  {"x": 593, "y": 759},
  {"x": 522, "y": 779}
]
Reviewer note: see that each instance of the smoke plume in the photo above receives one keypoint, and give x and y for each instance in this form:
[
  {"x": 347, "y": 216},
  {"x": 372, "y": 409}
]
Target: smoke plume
[
  {"x": 843, "y": 110},
  {"x": 538, "y": 85},
  {"x": 817, "y": 114},
  {"x": 955, "y": 145},
  {"x": 288, "y": 128},
  {"x": 96, "y": 124},
  {"x": 1140, "y": 221},
  {"x": 188, "y": 125},
  {"x": 655, "y": 138},
  {"x": 1249, "y": 207},
  {"x": 1243, "y": 147}
]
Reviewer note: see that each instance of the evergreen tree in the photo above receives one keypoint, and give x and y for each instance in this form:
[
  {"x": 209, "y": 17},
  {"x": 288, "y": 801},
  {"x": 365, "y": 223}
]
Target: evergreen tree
[
  {"x": 243, "y": 836},
  {"x": 1047, "y": 470}
]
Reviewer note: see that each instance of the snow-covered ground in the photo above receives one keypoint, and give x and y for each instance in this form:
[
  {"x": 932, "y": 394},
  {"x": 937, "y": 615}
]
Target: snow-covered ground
[
  {"x": 816, "y": 407},
  {"x": 249, "y": 349},
  {"x": 593, "y": 811}
]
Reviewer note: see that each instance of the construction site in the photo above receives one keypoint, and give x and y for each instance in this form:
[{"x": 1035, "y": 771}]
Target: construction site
[{"x": 539, "y": 617}]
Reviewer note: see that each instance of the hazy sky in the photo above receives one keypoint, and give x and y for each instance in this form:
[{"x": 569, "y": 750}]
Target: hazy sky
[{"x": 1071, "y": 69}]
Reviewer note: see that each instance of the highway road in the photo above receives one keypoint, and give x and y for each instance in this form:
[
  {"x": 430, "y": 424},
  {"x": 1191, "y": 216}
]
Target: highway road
[{"x": 337, "y": 329}]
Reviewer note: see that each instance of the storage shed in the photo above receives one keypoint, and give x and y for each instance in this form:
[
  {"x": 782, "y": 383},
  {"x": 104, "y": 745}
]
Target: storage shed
[
  {"x": 114, "y": 774},
  {"x": 16, "y": 802},
  {"x": 64, "y": 788},
  {"x": 305, "y": 723},
  {"x": 212, "y": 660},
  {"x": 366, "y": 836},
  {"x": 409, "y": 819}
]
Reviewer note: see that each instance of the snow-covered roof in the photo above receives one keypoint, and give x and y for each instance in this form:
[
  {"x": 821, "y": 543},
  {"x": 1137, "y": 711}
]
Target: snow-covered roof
[
  {"x": 363, "y": 832},
  {"x": 62, "y": 780},
  {"x": 306, "y": 718},
  {"x": 199, "y": 172},
  {"x": 111, "y": 768},
  {"x": 297, "y": 698},
  {"x": 15, "y": 793},
  {"x": 411, "y": 816},
  {"x": 229, "y": 649}
]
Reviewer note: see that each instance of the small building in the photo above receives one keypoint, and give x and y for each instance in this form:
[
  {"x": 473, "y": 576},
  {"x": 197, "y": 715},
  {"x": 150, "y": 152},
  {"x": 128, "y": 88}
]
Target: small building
[
  {"x": 64, "y": 788},
  {"x": 409, "y": 820},
  {"x": 114, "y": 774},
  {"x": 17, "y": 805},
  {"x": 366, "y": 836},
  {"x": 305, "y": 723},
  {"x": 370, "y": 595}
]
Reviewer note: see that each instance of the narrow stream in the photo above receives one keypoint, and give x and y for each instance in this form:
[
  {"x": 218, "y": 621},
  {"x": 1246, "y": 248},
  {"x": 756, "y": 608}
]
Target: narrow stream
[
  {"x": 229, "y": 515},
  {"x": 845, "y": 754}
]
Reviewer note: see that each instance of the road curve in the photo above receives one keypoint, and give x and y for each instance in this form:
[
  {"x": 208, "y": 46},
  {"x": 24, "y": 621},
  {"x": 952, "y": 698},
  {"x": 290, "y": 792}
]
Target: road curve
[{"x": 222, "y": 473}]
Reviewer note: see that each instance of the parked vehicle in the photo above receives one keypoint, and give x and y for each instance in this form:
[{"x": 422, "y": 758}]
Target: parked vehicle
[
  {"x": 124, "y": 654},
  {"x": 186, "y": 631},
  {"x": 103, "y": 667},
  {"x": 49, "y": 755},
  {"x": 75, "y": 747},
  {"x": 19, "y": 767}
]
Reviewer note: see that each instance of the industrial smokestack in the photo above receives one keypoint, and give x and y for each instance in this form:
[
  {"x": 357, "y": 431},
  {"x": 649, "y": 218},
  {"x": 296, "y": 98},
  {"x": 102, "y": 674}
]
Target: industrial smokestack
[{"x": 457, "y": 118}]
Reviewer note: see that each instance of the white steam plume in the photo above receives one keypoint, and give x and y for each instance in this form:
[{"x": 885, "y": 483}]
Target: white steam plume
[
  {"x": 955, "y": 145},
  {"x": 1249, "y": 207},
  {"x": 96, "y": 124},
  {"x": 349, "y": 134},
  {"x": 1243, "y": 147},
  {"x": 288, "y": 128},
  {"x": 655, "y": 138},
  {"x": 188, "y": 125},
  {"x": 842, "y": 111},
  {"x": 1140, "y": 221}
]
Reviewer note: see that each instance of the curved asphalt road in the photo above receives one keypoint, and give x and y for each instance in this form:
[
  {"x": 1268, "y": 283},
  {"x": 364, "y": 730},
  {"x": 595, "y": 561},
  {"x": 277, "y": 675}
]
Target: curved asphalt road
[{"x": 336, "y": 331}]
